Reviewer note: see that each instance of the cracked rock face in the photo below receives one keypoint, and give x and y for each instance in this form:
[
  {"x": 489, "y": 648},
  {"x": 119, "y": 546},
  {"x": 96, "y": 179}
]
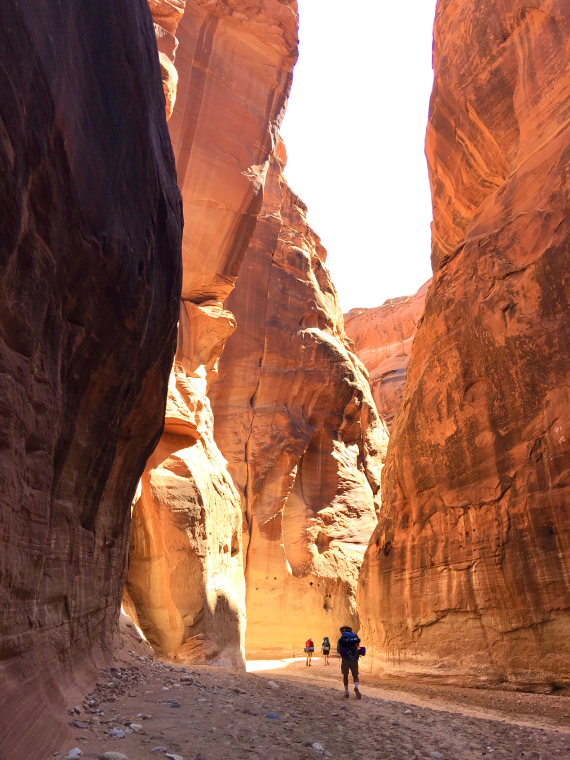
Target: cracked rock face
[
  {"x": 294, "y": 417},
  {"x": 89, "y": 287},
  {"x": 186, "y": 578},
  {"x": 383, "y": 339},
  {"x": 467, "y": 574}
]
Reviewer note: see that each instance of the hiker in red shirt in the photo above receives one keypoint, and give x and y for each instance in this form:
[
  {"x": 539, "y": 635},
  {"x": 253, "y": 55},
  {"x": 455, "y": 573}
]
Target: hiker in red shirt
[{"x": 309, "y": 649}]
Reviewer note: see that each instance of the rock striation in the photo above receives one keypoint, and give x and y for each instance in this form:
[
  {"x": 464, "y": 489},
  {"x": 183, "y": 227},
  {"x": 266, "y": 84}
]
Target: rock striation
[
  {"x": 90, "y": 276},
  {"x": 186, "y": 578},
  {"x": 295, "y": 419},
  {"x": 383, "y": 339},
  {"x": 467, "y": 575},
  {"x": 166, "y": 15}
]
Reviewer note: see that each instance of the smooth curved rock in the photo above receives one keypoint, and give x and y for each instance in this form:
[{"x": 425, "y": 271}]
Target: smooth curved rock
[
  {"x": 383, "y": 339},
  {"x": 467, "y": 576},
  {"x": 89, "y": 284},
  {"x": 295, "y": 418},
  {"x": 186, "y": 577}
]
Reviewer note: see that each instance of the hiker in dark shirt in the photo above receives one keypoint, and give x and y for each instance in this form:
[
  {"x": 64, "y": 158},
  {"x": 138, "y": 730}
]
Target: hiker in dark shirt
[
  {"x": 350, "y": 650},
  {"x": 326, "y": 649}
]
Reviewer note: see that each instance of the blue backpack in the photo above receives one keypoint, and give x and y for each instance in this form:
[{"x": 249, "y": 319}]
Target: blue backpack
[{"x": 348, "y": 645}]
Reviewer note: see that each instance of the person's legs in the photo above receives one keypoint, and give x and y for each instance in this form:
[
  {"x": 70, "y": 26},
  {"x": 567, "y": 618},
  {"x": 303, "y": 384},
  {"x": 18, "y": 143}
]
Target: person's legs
[
  {"x": 354, "y": 671},
  {"x": 344, "y": 668}
]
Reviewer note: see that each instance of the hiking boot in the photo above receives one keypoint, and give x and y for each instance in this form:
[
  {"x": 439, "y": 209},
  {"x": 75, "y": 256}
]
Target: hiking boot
[
  {"x": 346, "y": 695},
  {"x": 358, "y": 694}
]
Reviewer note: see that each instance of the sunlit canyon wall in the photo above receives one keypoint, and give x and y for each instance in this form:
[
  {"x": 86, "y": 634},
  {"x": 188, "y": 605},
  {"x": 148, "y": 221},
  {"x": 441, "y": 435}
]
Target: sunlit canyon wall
[
  {"x": 90, "y": 271},
  {"x": 467, "y": 575},
  {"x": 383, "y": 339},
  {"x": 186, "y": 581},
  {"x": 295, "y": 418}
]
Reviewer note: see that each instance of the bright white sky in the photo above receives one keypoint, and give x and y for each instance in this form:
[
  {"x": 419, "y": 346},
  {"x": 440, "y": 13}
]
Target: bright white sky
[{"x": 354, "y": 132}]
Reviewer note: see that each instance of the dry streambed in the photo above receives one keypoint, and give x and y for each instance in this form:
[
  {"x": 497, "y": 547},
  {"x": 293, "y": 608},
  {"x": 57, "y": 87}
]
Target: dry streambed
[{"x": 149, "y": 709}]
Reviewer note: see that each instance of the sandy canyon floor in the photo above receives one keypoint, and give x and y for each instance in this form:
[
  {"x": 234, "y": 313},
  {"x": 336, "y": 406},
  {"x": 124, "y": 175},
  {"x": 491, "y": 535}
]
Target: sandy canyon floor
[{"x": 282, "y": 710}]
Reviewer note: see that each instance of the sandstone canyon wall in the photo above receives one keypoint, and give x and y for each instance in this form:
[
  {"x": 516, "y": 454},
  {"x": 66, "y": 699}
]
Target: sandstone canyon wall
[
  {"x": 186, "y": 577},
  {"x": 295, "y": 418},
  {"x": 383, "y": 339},
  {"x": 467, "y": 575},
  {"x": 90, "y": 236}
]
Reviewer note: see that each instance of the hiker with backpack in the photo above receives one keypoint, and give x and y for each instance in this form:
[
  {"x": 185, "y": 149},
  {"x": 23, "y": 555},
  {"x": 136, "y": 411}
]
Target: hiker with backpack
[
  {"x": 326, "y": 649},
  {"x": 309, "y": 649},
  {"x": 350, "y": 650}
]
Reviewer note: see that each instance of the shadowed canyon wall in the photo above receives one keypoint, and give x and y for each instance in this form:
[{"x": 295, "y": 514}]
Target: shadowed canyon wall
[
  {"x": 89, "y": 286},
  {"x": 467, "y": 575},
  {"x": 294, "y": 417},
  {"x": 186, "y": 578},
  {"x": 383, "y": 339}
]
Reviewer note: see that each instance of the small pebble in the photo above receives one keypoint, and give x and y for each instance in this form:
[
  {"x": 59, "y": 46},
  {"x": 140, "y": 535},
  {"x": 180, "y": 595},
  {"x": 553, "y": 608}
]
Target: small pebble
[
  {"x": 159, "y": 749},
  {"x": 118, "y": 733},
  {"x": 78, "y": 724},
  {"x": 113, "y": 756},
  {"x": 273, "y": 716},
  {"x": 273, "y": 685},
  {"x": 75, "y": 752},
  {"x": 436, "y": 755},
  {"x": 136, "y": 727},
  {"x": 174, "y": 757},
  {"x": 318, "y": 747}
]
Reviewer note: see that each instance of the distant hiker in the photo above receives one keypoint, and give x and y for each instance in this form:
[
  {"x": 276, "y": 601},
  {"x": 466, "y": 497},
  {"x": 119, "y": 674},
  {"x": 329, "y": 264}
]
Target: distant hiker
[
  {"x": 326, "y": 649},
  {"x": 350, "y": 650},
  {"x": 309, "y": 649}
]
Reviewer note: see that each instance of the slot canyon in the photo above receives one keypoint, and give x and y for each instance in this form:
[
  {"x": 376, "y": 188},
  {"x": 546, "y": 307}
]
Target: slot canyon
[{"x": 204, "y": 462}]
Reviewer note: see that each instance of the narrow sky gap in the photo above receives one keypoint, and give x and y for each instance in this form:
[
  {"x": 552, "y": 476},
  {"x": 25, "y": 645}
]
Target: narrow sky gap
[{"x": 354, "y": 132}]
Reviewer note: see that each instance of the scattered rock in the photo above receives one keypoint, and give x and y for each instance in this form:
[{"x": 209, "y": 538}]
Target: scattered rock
[
  {"x": 144, "y": 716},
  {"x": 436, "y": 755},
  {"x": 75, "y": 752},
  {"x": 118, "y": 733},
  {"x": 273, "y": 685},
  {"x": 78, "y": 724},
  {"x": 136, "y": 727},
  {"x": 174, "y": 757},
  {"x": 273, "y": 716},
  {"x": 113, "y": 756},
  {"x": 159, "y": 749},
  {"x": 318, "y": 747}
]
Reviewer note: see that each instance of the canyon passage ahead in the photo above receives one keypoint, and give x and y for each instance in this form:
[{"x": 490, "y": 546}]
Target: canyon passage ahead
[{"x": 188, "y": 429}]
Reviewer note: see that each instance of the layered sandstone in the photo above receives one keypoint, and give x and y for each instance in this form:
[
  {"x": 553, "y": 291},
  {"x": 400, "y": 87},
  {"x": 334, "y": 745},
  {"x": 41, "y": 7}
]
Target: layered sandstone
[
  {"x": 89, "y": 286},
  {"x": 383, "y": 339},
  {"x": 294, "y": 417},
  {"x": 467, "y": 575},
  {"x": 186, "y": 577},
  {"x": 166, "y": 15}
]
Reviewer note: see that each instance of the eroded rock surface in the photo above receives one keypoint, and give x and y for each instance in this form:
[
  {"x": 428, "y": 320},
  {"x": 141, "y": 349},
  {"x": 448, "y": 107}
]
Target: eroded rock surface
[
  {"x": 383, "y": 339},
  {"x": 186, "y": 578},
  {"x": 90, "y": 236},
  {"x": 467, "y": 574},
  {"x": 294, "y": 417}
]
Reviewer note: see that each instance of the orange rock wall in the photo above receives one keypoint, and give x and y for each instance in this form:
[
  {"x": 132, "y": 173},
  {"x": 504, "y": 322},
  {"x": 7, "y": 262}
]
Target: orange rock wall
[
  {"x": 383, "y": 339},
  {"x": 467, "y": 575},
  {"x": 90, "y": 271},
  {"x": 295, "y": 419},
  {"x": 186, "y": 577}
]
